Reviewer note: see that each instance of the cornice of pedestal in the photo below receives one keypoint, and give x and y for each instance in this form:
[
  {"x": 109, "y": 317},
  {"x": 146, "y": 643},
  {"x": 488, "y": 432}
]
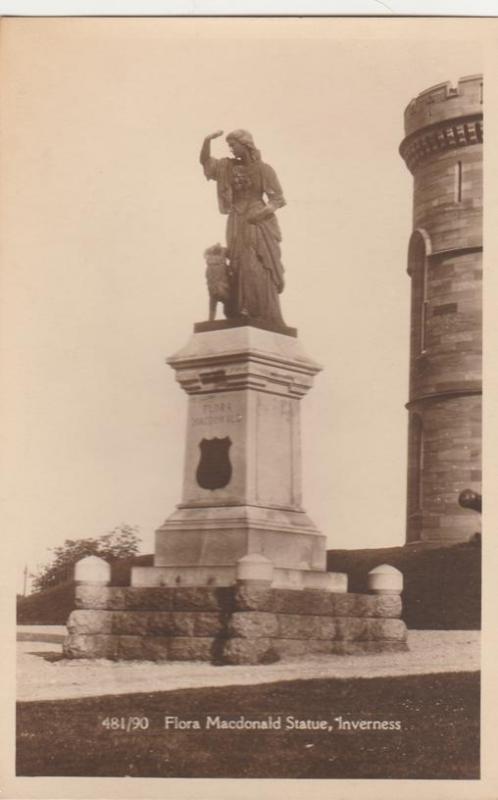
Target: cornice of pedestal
[{"x": 244, "y": 358}]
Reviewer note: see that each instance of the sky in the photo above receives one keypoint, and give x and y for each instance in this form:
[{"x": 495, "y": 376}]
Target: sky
[{"x": 105, "y": 217}]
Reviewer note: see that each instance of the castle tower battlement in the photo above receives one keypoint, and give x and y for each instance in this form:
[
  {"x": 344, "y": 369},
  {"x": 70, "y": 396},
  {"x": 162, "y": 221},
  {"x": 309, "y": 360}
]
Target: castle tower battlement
[
  {"x": 444, "y": 102},
  {"x": 443, "y": 150}
]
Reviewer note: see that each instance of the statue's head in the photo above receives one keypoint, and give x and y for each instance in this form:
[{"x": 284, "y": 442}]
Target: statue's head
[{"x": 242, "y": 145}]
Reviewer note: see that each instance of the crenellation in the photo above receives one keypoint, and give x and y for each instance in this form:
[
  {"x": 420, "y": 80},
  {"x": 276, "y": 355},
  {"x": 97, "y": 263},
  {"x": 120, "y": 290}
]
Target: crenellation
[{"x": 443, "y": 102}]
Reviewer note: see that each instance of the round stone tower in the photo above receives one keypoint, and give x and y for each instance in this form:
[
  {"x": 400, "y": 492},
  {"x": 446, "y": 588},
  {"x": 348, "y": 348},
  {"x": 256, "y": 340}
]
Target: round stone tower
[{"x": 442, "y": 148}]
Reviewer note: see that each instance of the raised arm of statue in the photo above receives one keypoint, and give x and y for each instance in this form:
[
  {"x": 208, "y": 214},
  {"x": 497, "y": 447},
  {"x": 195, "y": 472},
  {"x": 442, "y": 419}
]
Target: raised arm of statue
[
  {"x": 209, "y": 164},
  {"x": 205, "y": 155}
]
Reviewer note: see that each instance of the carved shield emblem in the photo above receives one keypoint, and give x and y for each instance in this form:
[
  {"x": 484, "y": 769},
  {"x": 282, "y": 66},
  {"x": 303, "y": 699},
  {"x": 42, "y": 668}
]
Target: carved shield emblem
[{"x": 214, "y": 470}]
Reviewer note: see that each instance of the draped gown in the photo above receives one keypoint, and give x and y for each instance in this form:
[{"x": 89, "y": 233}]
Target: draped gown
[{"x": 253, "y": 247}]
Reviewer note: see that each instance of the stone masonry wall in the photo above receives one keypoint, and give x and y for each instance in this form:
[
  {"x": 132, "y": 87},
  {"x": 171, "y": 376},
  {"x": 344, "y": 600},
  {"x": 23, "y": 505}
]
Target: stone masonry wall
[{"x": 443, "y": 150}]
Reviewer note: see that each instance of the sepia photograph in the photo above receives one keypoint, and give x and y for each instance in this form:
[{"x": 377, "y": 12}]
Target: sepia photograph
[{"x": 242, "y": 333}]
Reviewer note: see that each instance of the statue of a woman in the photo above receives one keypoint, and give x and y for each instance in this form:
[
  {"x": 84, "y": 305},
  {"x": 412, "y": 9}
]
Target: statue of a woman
[{"x": 253, "y": 233}]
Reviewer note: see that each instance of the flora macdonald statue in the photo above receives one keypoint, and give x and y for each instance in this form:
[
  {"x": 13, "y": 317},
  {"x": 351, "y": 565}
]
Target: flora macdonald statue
[{"x": 249, "y": 193}]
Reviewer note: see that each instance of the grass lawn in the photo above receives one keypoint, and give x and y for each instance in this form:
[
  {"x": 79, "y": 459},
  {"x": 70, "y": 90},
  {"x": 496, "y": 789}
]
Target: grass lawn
[{"x": 431, "y": 730}]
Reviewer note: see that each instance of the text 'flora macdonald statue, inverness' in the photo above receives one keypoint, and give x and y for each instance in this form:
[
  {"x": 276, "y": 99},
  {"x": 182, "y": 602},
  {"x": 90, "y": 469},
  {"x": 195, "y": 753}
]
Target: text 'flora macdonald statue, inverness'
[{"x": 239, "y": 572}]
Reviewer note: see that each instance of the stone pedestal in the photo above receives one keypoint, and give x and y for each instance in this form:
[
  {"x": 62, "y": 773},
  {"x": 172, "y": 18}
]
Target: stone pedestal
[
  {"x": 242, "y": 472},
  {"x": 239, "y": 573}
]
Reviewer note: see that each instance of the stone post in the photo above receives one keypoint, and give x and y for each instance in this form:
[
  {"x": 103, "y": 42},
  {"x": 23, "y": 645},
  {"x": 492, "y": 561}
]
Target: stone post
[
  {"x": 92, "y": 569},
  {"x": 385, "y": 579}
]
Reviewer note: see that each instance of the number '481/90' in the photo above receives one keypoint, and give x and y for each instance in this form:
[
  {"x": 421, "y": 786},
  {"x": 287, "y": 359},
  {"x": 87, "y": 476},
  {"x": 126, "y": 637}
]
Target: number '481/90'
[{"x": 125, "y": 723}]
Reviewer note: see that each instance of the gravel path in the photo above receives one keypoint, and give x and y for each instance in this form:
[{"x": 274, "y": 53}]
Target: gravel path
[{"x": 42, "y": 674}]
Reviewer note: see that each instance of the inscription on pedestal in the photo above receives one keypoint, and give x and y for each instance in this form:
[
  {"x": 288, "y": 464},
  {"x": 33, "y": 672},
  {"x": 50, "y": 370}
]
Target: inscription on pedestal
[
  {"x": 215, "y": 464},
  {"x": 216, "y": 413}
]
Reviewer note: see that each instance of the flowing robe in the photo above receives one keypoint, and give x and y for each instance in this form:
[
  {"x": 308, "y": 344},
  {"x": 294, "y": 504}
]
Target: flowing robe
[{"x": 253, "y": 235}]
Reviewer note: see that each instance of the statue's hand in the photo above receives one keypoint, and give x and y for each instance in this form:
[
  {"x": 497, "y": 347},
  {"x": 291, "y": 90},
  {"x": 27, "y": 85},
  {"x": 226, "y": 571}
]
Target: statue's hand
[
  {"x": 260, "y": 216},
  {"x": 214, "y": 135}
]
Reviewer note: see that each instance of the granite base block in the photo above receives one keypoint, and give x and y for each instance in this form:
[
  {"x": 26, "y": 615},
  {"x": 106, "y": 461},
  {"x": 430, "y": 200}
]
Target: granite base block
[
  {"x": 241, "y": 624},
  {"x": 261, "y": 650},
  {"x": 146, "y": 623},
  {"x": 240, "y": 597}
]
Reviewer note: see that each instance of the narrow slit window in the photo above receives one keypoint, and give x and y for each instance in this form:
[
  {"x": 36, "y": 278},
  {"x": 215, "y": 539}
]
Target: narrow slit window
[
  {"x": 458, "y": 182},
  {"x": 420, "y": 466},
  {"x": 415, "y": 465},
  {"x": 424, "y": 307},
  {"x": 423, "y": 319},
  {"x": 418, "y": 266}
]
